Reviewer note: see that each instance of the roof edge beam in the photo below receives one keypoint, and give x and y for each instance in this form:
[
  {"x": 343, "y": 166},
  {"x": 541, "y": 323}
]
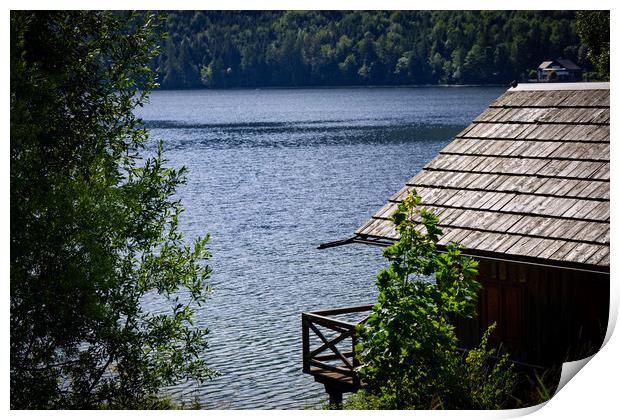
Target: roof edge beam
[
  {"x": 356, "y": 240},
  {"x": 473, "y": 254},
  {"x": 336, "y": 243}
]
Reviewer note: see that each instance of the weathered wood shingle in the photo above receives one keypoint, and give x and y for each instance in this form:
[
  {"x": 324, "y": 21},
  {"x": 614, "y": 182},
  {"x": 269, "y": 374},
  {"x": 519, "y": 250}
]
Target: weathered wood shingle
[{"x": 528, "y": 179}]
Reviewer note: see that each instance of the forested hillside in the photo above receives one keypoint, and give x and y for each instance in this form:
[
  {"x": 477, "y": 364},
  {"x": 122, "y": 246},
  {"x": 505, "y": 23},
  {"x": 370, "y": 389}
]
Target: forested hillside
[{"x": 318, "y": 48}]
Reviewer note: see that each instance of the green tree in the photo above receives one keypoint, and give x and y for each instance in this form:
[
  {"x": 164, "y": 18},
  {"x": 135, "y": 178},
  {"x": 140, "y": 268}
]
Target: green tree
[
  {"x": 94, "y": 221},
  {"x": 475, "y": 65},
  {"x": 285, "y": 48},
  {"x": 348, "y": 67},
  {"x": 213, "y": 74},
  {"x": 170, "y": 65},
  {"x": 408, "y": 345},
  {"x": 403, "y": 66},
  {"x": 593, "y": 29}
]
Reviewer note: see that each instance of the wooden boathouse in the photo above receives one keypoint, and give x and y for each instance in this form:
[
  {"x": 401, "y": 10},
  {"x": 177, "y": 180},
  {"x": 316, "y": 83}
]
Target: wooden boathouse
[{"x": 525, "y": 188}]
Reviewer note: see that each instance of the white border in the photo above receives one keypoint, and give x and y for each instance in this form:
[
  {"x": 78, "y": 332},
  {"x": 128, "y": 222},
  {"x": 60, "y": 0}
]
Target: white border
[{"x": 592, "y": 394}]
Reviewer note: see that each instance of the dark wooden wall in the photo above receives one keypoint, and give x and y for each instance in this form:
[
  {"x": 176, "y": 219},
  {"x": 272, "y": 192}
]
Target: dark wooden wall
[{"x": 544, "y": 316}]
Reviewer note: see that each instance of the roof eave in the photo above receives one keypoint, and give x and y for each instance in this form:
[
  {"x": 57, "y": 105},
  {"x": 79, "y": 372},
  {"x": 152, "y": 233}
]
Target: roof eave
[
  {"x": 494, "y": 256},
  {"x": 478, "y": 254}
]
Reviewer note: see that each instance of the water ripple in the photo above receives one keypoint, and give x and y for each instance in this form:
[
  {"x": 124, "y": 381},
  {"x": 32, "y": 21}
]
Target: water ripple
[{"x": 272, "y": 175}]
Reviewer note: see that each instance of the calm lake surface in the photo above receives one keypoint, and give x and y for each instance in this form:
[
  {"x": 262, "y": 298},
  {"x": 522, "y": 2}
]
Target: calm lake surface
[{"x": 273, "y": 174}]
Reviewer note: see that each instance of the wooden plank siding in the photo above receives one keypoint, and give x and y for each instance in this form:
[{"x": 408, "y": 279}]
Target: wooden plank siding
[
  {"x": 527, "y": 180},
  {"x": 545, "y": 316}
]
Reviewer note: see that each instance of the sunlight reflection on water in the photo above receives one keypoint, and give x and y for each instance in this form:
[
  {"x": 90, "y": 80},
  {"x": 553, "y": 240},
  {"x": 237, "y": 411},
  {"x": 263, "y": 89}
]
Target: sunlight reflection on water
[{"x": 272, "y": 174}]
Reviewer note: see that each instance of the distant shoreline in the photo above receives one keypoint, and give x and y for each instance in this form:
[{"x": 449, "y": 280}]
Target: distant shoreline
[{"x": 328, "y": 87}]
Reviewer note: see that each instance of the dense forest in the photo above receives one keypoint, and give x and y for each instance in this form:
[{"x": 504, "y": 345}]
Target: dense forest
[{"x": 321, "y": 48}]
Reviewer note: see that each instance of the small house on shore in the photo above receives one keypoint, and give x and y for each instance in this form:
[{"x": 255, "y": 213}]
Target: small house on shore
[
  {"x": 560, "y": 70},
  {"x": 525, "y": 189}
]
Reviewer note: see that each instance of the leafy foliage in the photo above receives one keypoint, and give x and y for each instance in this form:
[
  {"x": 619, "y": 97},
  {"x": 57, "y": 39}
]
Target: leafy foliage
[
  {"x": 593, "y": 29},
  {"x": 307, "y": 48},
  {"x": 408, "y": 345},
  {"x": 94, "y": 221},
  {"x": 489, "y": 382}
]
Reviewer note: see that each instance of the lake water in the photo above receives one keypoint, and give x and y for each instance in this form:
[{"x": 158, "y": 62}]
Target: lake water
[{"x": 273, "y": 174}]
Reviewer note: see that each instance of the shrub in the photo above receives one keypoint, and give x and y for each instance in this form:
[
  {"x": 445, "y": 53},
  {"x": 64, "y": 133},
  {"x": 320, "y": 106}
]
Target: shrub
[{"x": 408, "y": 345}]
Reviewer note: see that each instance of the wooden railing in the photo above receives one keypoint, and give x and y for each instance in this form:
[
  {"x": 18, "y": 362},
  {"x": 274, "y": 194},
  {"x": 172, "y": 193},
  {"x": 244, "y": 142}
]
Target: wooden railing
[{"x": 332, "y": 333}]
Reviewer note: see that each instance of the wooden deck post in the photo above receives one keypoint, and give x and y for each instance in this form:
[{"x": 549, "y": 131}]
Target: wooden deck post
[
  {"x": 335, "y": 396},
  {"x": 305, "y": 347}
]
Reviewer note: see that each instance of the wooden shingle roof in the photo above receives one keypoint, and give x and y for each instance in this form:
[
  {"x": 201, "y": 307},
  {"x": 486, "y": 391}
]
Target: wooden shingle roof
[
  {"x": 527, "y": 180},
  {"x": 564, "y": 62}
]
